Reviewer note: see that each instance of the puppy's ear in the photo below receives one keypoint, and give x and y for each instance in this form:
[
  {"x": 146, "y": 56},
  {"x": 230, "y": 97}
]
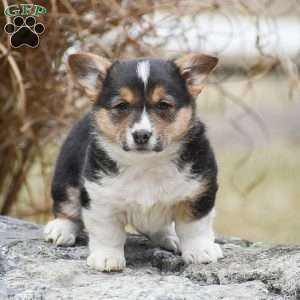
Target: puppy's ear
[
  {"x": 194, "y": 69},
  {"x": 89, "y": 70}
]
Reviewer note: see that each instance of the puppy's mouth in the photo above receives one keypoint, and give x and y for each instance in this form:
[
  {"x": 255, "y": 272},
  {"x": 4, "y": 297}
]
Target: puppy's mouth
[{"x": 143, "y": 149}]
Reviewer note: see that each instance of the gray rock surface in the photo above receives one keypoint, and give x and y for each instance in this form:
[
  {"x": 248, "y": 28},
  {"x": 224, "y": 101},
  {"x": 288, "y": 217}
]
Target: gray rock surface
[{"x": 33, "y": 269}]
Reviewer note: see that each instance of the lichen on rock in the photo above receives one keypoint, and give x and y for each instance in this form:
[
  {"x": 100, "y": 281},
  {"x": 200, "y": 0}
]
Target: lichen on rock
[{"x": 30, "y": 268}]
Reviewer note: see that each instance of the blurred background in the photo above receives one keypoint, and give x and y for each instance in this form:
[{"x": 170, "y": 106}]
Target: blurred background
[{"x": 251, "y": 105}]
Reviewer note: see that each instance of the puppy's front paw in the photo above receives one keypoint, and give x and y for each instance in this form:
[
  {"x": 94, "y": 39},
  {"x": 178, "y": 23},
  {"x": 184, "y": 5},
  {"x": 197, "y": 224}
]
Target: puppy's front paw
[
  {"x": 201, "y": 252},
  {"x": 61, "y": 232},
  {"x": 108, "y": 260}
]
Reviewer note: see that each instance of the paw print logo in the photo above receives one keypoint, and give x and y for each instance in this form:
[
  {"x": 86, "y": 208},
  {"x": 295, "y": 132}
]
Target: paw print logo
[{"x": 24, "y": 32}]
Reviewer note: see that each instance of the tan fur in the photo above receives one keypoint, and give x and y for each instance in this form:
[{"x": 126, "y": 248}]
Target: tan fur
[
  {"x": 176, "y": 129},
  {"x": 61, "y": 215},
  {"x": 158, "y": 93},
  {"x": 107, "y": 127},
  {"x": 181, "y": 125},
  {"x": 128, "y": 95},
  {"x": 84, "y": 64},
  {"x": 195, "y": 68},
  {"x": 183, "y": 210},
  {"x": 71, "y": 208}
]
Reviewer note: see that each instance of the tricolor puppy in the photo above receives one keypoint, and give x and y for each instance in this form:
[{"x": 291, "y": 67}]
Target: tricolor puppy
[{"x": 140, "y": 156}]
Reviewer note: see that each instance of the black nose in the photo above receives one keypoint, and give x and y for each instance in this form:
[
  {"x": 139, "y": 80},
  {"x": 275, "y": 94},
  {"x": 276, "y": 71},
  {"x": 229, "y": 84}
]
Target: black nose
[{"x": 141, "y": 137}]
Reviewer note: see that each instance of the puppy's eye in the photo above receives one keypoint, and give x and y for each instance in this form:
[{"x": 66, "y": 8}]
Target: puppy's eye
[
  {"x": 121, "y": 106},
  {"x": 164, "y": 105}
]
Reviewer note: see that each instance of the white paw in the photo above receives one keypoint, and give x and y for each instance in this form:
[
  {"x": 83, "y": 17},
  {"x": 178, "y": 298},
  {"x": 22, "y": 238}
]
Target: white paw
[
  {"x": 169, "y": 242},
  {"x": 61, "y": 232},
  {"x": 107, "y": 260},
  {"x": 204, "y": 251}
]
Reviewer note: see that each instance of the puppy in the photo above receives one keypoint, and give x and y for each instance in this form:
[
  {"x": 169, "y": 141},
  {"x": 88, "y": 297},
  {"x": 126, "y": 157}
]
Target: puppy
[{"x": 140, "y": 156}]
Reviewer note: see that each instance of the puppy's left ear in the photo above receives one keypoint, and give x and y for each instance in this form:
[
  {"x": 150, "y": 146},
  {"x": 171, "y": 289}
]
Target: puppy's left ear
[
  {"x": 194, "y": 69},
  {"x": 89, "y": 70}
]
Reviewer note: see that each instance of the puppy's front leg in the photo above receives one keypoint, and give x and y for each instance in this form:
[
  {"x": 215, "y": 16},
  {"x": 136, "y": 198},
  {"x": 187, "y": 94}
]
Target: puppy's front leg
[
  {"x": 106, "y": 240},
  {"x": 196, "y": 237}
]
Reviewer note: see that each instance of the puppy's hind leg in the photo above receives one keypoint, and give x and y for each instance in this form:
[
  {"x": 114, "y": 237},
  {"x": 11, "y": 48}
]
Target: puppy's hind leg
[
  {"x": 62, "y": 232},
  {"x": 66, "y": 185},
  {"x": 64, "y": 229}
]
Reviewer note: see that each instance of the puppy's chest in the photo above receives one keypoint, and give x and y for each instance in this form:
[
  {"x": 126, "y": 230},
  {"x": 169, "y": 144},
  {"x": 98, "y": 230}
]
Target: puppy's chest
[{"x": 149, "y": 184}]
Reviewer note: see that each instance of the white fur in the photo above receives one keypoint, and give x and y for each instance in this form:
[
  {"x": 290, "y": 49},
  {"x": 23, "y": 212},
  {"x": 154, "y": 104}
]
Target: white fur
[
  {"x": 89, "y": 79},
  {"x": 106, "y": 240},
  {"x": 143, "y": 71},
  {"x": 151, "y": 184},
  {"x": 142, "y": 194},
  {"x": 197, "y": 240},
  {"x": 62, "y": 232},
  {"x": 129, "y": 158},
  {"x": 107, "y": 259},
  {"x": 143, "y": 124}
]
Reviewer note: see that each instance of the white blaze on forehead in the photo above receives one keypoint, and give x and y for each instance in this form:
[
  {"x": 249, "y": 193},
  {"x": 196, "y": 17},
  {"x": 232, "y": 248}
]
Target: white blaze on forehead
[
  {"x": 143, "y": 71},
  {"x": 143, "y": 124}
]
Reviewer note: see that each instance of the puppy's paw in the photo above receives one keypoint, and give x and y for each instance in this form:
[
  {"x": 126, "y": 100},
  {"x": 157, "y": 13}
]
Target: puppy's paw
[
  {"x": 202, "y": 252},
  {"x": 168, "y": 242},
  {"x": 61, "y": 232},
  {"x": 108, "y": 260}
]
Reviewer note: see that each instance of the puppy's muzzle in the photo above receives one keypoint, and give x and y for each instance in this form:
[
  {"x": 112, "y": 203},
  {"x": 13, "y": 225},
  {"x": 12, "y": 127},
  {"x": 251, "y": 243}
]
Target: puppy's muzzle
[{"x": 141, "y": 137}]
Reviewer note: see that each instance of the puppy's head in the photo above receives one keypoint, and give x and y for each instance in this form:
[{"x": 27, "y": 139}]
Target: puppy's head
[{"x": 143, "y": 104}]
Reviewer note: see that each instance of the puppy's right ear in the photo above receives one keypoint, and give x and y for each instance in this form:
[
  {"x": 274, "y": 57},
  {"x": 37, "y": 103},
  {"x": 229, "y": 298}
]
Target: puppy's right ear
[{"x": 89, "y": 70}]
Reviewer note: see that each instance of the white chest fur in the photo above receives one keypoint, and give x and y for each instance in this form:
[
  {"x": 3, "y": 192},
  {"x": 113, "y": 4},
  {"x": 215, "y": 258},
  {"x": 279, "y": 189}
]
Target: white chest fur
[
  {"x": 144, "y": 192},
  {"x": 146, "y": 185}
]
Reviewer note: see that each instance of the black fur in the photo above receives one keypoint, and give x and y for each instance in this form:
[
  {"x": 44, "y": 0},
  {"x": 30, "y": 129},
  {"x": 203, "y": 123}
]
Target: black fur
[
  {"x": 98, "y": 163},
  {"x": 83, "y": 157},
  {"x": 80, "y": 157},
  {"x": 84, "y": 198},
  {"x": 197, "y": 152},
  {"x": 70, "y": 161},
  {"x": 123, "y": 73}
]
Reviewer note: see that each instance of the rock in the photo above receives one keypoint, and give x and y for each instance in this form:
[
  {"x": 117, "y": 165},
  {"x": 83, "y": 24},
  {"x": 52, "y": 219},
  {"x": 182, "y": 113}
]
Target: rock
[{"x": 33, "y": 269}]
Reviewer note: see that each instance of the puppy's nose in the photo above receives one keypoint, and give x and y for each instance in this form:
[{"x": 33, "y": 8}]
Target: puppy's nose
[{"x": 141, "y": 137}]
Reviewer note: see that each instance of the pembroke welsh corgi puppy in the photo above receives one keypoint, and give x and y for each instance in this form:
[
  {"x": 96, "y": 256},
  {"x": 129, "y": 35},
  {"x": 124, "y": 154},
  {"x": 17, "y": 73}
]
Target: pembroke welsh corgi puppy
[{"x": 140, "y": 156}]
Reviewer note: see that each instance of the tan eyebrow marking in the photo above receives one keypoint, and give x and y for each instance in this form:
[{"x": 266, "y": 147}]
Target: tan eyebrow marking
[
  {"x": 128, "y": 94},
  {"x": 158, "y": 93}
]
